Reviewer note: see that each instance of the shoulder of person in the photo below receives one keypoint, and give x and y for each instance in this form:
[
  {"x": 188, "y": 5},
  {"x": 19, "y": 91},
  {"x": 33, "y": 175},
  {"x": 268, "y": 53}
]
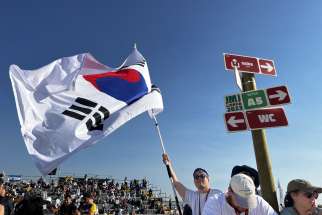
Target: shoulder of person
[
  {"x": 215, "y": 191},
  {"x": 217, "y": 198},
  {"x": 288, "y": 211},
  {"x": 264, "y": 207},
  {"x": 214, "y": 204}
]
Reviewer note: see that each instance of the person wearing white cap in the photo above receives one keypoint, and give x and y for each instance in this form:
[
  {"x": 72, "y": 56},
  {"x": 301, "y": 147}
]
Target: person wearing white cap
[{"x": 240, "y": 198}]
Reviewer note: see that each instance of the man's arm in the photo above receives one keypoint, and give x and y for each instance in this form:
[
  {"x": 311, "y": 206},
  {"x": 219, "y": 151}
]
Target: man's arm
[{"x": 177, "y": 184}]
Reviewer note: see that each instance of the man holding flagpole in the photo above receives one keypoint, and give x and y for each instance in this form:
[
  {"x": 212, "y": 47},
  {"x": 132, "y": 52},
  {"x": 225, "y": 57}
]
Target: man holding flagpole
[{"x": 195, "y": 199}]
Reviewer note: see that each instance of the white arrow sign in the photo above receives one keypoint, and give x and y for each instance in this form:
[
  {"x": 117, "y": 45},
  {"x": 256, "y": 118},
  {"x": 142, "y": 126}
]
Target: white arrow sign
[
  {"x": 232, "y": 121},
  {"x": 279, "y": 94},
  {"x": 268, "y": 67}
]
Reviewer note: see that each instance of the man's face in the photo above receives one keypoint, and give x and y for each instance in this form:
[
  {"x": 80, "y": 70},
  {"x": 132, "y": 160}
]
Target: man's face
[
  {"x": 233, "y": 202},
  {"x": 201, "y": 180},
  {"x": 68, "y": 200},
  {"x": 88, "y": 200}
]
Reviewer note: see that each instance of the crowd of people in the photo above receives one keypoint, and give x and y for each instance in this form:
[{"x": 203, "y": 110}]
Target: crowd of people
[
  {"x": 93, "y": 196},
  {"x": 242, "y": 195},
  {"x": 81, "y": 196}
]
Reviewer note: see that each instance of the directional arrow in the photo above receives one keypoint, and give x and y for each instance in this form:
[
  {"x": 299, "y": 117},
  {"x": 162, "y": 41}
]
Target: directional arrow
[
  {"x": 268, "y": 67},
  {"x": 278, "y": 95},
  {"x": 232, "y": 121},
  {"x": 235, "y": 121},
  {"x": 281, "y": 95}
]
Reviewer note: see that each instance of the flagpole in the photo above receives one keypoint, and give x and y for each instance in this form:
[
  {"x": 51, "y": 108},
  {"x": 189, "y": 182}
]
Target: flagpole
[{"x": 167, "y": 164}]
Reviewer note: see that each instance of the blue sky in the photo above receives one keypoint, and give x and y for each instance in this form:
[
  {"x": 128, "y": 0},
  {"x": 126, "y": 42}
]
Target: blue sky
[{"x": 183, "y": 42}]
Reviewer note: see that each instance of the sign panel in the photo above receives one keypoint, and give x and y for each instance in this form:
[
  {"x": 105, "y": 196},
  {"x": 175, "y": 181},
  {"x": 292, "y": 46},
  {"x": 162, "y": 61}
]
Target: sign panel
[
  {"x": 266, "y": 118},
  {"x": 249, "y": 64},
  {"x": 254, "y": 99},
  {"x": 278, "y": 95},
  {"x": 244, "y": 63},
  {"x": 257, "y": 99},
  {"x": 235, "y": 121},
  {"x": 233, "y": 103},
  {"x": 267, "y": 67}
]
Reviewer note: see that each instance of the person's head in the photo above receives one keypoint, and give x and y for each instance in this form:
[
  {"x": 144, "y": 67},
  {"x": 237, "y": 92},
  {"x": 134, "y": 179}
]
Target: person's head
[
  {"x": 301, "y": 194},
  {"x": 88, "y": 198},
  {"x": 241, "y": 192},
  {"x": 201, "y": 179},
  {"x": 68, "y": 199},
  {"x": 247, "y": 170},
  {"x": 2, "y": 188}
]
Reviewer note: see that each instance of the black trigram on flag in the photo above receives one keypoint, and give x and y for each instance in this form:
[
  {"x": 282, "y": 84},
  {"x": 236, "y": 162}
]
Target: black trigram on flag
[
  {"x": 141, "y": 63},
  {"x": 86, "y": 108}
]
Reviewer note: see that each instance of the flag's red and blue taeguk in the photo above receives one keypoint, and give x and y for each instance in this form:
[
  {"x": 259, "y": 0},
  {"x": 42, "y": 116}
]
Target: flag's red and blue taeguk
[{"x": 125, "y": 84}]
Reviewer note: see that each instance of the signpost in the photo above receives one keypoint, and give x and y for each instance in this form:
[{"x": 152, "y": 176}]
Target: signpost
[
  {"x": 248, "y": 110},
  {"x": 263, "y": 161}
]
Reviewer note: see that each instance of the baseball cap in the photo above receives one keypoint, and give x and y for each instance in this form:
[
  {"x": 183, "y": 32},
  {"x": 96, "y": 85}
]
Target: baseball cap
[
  {"x": 302, "y": 185},
  {"x": 200, "y": 170},
  {"x": 247, "y": 170},
  {"x": 243, "y": 190}
]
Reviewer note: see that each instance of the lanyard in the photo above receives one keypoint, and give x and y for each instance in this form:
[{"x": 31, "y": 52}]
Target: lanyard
[
  {"x": 205, "y": 201},
  {"x": 238, "y": 212}
]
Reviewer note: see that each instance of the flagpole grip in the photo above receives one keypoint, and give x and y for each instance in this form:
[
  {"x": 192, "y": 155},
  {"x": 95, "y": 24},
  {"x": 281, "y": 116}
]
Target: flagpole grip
[
  {"x": 177, "y": 201},
  {"x": 169, "y": 170}
]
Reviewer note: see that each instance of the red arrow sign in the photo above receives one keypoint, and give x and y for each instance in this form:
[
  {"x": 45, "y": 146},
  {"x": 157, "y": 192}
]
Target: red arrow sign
[
  {"x": 278, "y": 95},
  {"x": 267, "y": 67},
  {"x": 249, "y": 64},
  {"x": 266, "y": 118},
  {"x": 235, "y": 121},
  {"x": 244, "y": 63}
]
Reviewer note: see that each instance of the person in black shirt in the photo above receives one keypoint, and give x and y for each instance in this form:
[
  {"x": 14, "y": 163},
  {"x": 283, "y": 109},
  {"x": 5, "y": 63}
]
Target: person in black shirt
[
  {"x": 1, "y": 199},
  {"x": 67, "y": 207},
  {"x": 6, "y": 205}
]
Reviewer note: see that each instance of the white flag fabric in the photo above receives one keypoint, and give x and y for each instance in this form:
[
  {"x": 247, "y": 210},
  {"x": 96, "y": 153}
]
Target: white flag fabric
[{"x": 76, "y": 101}]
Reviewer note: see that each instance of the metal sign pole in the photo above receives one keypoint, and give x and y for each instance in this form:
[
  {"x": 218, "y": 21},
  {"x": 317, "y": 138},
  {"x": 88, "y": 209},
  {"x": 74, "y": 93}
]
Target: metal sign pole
[{"x": 261, "y": 152}]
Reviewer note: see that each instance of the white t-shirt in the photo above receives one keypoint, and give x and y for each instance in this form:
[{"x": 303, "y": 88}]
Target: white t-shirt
[
  {"x": 197, "y": 199},
  {"x": 218, "y": 205}
]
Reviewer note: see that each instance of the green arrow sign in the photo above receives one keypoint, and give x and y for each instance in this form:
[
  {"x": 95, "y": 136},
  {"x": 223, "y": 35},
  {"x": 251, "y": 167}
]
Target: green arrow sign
[
  {"x": 257, "y": 99},
  {"x": 254, "y": 99}
]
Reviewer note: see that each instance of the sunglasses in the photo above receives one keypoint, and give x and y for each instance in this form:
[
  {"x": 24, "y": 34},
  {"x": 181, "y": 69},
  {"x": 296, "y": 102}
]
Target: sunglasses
[
  {"x": 196, "y": 177},
  {"x": 311, "y": 194}
]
